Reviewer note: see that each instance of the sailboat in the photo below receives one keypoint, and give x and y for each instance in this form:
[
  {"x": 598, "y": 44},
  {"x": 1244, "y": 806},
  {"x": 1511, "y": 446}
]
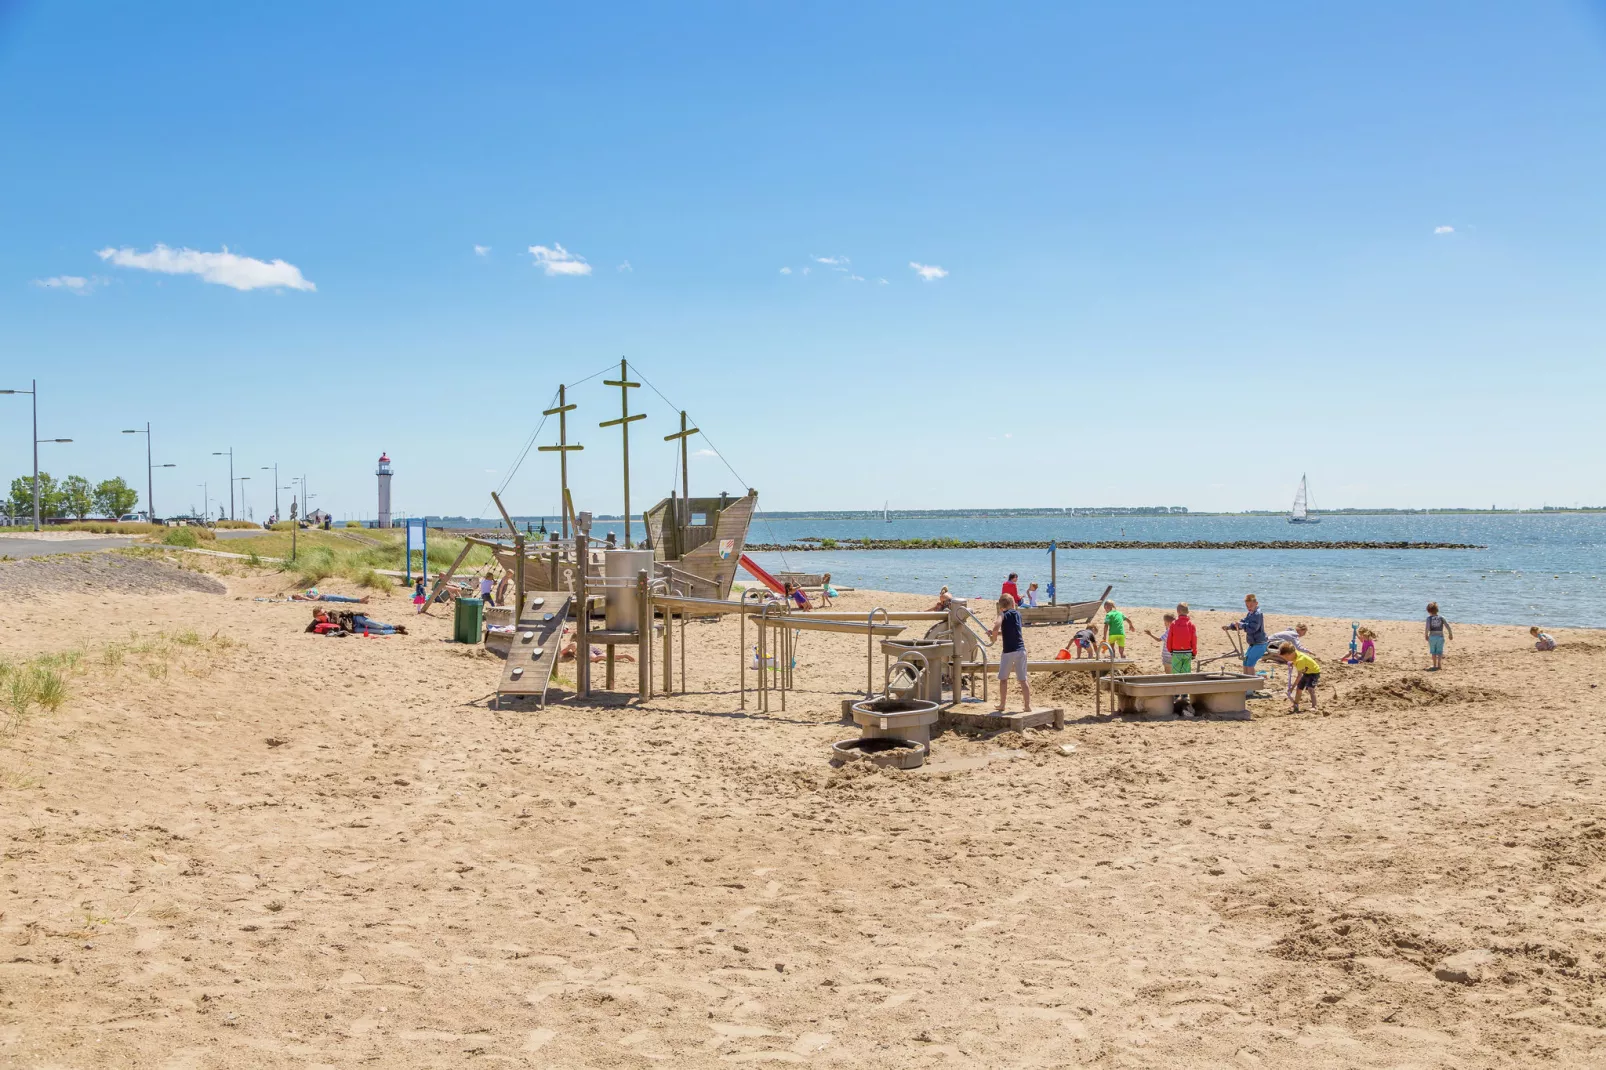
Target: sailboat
[
  {"x": 1300, "y": 512},
  {"x": 886, "y": 518}
]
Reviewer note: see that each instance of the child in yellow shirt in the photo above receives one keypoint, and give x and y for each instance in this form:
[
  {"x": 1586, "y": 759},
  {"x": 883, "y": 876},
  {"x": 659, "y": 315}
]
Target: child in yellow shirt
[{"x": 1308, "y": 668}]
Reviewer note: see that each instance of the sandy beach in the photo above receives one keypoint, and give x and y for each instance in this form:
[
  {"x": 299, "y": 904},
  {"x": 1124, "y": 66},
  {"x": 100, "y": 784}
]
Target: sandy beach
[{"x": 237, "y": 844}]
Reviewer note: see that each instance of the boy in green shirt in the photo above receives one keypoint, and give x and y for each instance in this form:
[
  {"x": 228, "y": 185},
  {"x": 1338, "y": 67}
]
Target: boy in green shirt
[{"x": 1115, "y": 630}]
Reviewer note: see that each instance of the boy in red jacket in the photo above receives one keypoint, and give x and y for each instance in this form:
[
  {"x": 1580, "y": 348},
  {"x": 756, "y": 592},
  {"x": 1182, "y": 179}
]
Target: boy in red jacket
[{"x": 1183, "y": 639}]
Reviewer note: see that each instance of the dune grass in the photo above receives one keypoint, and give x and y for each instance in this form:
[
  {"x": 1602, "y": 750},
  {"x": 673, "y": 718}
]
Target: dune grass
[
  {"x": 351, "y": 554},
  {"x": 99, "y": 527}
]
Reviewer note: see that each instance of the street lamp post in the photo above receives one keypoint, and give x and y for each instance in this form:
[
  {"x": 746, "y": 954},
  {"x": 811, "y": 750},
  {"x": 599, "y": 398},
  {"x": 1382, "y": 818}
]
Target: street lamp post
[
  {"x": 150, "y": 482},
  {"x": 36, "y": 440},
  {"x": 275, "y": 470},
  {"x": 243, "y": 508},
  {"x": 230, "y": 456}
]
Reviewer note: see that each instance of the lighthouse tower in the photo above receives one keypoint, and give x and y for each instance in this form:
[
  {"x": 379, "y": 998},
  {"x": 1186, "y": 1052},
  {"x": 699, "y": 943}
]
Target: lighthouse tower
[{"x": 384, "y": 490}]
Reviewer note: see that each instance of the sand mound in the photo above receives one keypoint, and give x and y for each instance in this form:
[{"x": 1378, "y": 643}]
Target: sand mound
[
  {"x": 83, "y": 573},
  {"x": 1413, "y": 692}
]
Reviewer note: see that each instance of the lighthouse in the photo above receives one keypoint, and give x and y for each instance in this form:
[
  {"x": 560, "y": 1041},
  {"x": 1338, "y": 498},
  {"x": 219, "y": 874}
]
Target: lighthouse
[{"x": 383, "y": 473}]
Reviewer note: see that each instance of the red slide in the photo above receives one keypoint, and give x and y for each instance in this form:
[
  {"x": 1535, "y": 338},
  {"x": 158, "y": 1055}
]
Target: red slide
[{"x": 760, "y": 575}]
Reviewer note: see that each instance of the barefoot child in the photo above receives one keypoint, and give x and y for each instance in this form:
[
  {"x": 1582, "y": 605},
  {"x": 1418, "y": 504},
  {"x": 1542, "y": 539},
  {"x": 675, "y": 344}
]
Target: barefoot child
[
  {"x": 1368, "y": 651},
  {"x": 1184, "y": 640},
  {"x": 1309, "y": 670},
  {"x": 1437, "y": 630},
  {"x": 1115, "y": 630},
  {"x": 1086, "y": 642},
  {"x": 1542, "y": 641},
  {"x": 1013, "y": 659},
  {"x": 1164, "y": 639}
]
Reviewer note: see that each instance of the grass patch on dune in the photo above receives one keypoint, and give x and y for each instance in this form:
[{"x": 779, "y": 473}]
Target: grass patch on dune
[
  {"x": 98, "y": 527},
  {"x": 43, "y": 683},
  {"x": 351, "y": 554}
]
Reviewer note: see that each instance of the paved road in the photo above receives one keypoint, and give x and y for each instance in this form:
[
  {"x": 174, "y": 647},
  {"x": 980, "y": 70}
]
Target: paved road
[{"x": 41, "y": 547}]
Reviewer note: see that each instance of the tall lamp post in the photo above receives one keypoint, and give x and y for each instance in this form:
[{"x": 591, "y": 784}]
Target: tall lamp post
[
  {"x": 275, "y": 470},
  {"x": 34, "y": 383},
  {"x": 150, "y": 482},
  {"x": 243, "y": 509},
  {"x": 230, "y": 455}
]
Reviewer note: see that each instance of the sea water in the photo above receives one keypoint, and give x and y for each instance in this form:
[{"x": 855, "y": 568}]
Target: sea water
[{"x": 1536, "y": 568}]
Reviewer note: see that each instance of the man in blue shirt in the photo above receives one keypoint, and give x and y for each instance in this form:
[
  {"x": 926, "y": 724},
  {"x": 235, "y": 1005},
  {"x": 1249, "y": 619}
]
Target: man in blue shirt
[
  {"x": 1254, "y": 628},
  {"x": 1013, "y": 659}
]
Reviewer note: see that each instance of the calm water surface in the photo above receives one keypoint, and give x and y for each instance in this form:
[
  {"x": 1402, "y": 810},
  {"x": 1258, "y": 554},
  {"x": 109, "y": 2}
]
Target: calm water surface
[{"x": 1537, "y": 568}]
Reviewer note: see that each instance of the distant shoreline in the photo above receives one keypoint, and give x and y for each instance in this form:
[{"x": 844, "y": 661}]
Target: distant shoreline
[{"x": 810, "y": 545}]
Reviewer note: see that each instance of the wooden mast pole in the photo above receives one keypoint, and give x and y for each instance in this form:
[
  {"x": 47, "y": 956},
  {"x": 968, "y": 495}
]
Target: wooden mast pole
[
  {"x": 623, "y": 423},
  {"x": 562, "y": 450},
  {"x": 685, "y": 484}
]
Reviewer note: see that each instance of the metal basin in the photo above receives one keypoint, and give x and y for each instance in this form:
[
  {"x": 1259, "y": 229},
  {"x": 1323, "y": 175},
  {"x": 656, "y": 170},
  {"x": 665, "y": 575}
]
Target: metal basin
[
  {"x": 937, "y": 655},
  {"x": 1210, "y": 692},
  {"x": 895, "y": 718}
]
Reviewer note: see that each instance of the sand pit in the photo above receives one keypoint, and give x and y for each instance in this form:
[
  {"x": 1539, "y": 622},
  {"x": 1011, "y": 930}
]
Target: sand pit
[{"x": 264, "y": 848}]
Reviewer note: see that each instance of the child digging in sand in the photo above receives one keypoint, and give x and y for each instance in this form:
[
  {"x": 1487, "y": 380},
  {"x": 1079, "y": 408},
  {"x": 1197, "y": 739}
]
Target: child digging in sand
[
  {"x": 1013, "y": 659},
  {"x": 1542, "y": 641},
  {"x": 1309, "y": 670}
]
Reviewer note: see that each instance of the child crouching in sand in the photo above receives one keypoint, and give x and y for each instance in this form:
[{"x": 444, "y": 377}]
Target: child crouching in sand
[
  {"x": 1308, "y": 668},
  {"x": 1542, "y": 641},
  {"x": 1013, "y": 659}
]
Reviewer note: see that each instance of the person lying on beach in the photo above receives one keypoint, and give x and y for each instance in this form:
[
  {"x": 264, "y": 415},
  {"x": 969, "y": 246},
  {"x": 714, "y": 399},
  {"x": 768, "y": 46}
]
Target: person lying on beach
[
  {"x": 1542, "y": 641},
  {"x": 1086, "y": 642},
  {"x": 1368, "y": 651},
  {"x": 311, "y": 594},
  {"x": 827, "y": 592},
  {"x": 944, "y": 599},
  {"x": 1164, "y": 639},
  {"x": 322, "y": 625},
  {"x": 597, "y": 654},
  {"x": 365, "y": 625},
  {"x": 1309, "y": 669}
]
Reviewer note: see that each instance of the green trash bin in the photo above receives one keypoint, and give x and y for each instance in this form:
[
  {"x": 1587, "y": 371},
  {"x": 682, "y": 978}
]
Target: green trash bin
[{"x": 468, "y": 626}]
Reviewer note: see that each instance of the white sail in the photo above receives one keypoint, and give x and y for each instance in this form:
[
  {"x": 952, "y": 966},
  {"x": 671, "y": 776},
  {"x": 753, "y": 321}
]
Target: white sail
[
  {"x": 1300, "y": 512},
  {"x": 885, "y": 516}
]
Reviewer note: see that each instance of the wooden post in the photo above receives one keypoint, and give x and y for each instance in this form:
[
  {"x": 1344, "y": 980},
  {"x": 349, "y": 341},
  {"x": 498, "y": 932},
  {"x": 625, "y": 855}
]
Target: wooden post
[
  {"x": 440, "y": 585},
  {"x": 1053, "y": 574},
  {"x": 562, "y": 450},
  {"x": 518, "y": 550},
  {"x": 623, "y": 423},
  {"x": 643, "y": 638},
  {"x": 681, "y": 521},
  {"x": 669, "y": 651},
  {"x": 582, "y": 625}
]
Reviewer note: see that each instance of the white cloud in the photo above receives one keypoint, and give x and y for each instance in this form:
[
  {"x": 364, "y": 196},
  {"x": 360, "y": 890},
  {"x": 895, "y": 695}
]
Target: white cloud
[
  {"x": 73, "y": 283},
  {"x": 225, "y": 268},
  {"x": 624, "y": 267},
  {"x": 786, "y": 271},
  {"x": 834, "y": 261},
  {"x": 482, "y": 250},
  {"x": 929, "y": 272},
  {"x": 1444, "y": 230},
  {"x": 559, "y": 261},
  {"x": 881, "y": 282},
  {"x": 705, "y": 452},
  {"x": 855, "y": 278}
]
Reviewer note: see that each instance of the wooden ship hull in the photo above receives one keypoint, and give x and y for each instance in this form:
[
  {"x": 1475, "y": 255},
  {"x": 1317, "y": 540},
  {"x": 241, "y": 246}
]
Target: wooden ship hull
[{"x": 697, "y": 542}]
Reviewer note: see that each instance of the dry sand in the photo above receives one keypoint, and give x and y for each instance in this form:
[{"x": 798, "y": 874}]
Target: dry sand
[{"x": 272, "y": 849}]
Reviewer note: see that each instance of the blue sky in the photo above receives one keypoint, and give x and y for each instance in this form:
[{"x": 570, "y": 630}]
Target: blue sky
[{"x": 1191, "y": 251}]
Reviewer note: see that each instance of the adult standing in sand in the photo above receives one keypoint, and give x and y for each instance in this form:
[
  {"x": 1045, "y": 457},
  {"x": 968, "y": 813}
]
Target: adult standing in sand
[
  {"x": 1253, "y": 626},
  {"x": 1013, "y": 659}
]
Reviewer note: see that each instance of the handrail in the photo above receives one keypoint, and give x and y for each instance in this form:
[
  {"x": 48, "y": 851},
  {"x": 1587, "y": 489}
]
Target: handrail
[{"x": 869, "y": 656}]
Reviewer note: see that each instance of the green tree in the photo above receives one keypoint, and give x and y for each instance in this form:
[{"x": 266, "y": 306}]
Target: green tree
[
  {"x": 74, "y": 497},
  {"x": 114, "y": 497},
  {"x": 20, "y": 502}
]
